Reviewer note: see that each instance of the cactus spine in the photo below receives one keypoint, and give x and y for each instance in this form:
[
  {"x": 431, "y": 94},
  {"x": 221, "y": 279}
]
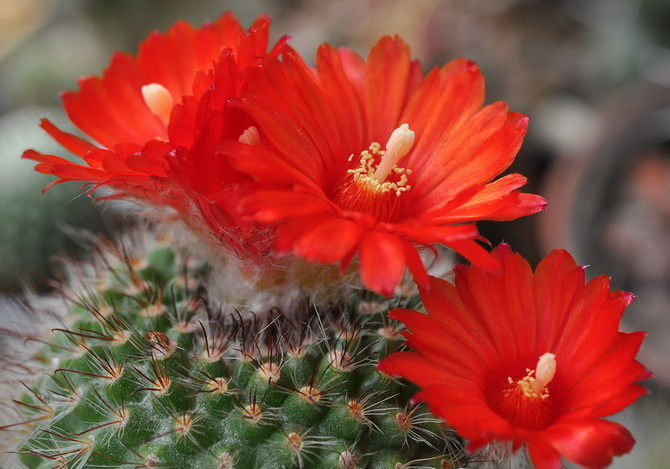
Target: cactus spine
[{"x": 147, "y": 371}]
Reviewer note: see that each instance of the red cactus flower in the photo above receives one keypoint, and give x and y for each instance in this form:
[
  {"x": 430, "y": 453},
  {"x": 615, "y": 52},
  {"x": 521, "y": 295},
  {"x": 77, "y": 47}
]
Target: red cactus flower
[
  {"x": 144, "y": 107},
  {"x": 534, "y": 359},
  {"x": 369, "y": 158}
]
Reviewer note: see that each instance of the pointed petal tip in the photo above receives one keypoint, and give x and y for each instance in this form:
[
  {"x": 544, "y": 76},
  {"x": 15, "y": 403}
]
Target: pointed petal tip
[{"x": 28, "y": 154}]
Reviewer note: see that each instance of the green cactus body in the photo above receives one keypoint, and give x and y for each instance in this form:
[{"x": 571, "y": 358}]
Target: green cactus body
[{"x": 146, "y": 373}]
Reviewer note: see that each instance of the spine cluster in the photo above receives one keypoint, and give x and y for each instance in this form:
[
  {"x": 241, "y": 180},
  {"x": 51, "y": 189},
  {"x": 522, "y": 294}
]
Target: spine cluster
[{"x": 146, "y": 371}]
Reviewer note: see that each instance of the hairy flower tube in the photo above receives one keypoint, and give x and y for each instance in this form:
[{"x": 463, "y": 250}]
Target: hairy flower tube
[
  {"x": 531, "y": 358},
  {"x": 368, "y": 159},
  {"x": 145, "y": 107}
]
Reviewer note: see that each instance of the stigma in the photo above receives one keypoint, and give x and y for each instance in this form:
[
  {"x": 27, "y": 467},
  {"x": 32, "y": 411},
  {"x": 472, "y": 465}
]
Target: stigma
[
  {"x": 534, "y": 384},
  {"x": 159, "y": 100},
  {"x": 375, "y": 178},
  {"x": 399, "y": 144}
]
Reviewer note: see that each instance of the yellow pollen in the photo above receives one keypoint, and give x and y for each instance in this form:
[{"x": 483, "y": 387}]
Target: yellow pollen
[
  {"x": 159, "y": 100},
  {"x": 374, "y": 178},
  {"x": 534, "y": 384},
  {"x": 251, "y": 136}
]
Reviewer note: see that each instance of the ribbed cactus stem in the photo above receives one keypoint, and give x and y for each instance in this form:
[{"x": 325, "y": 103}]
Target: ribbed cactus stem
[{"x": 149, "y": 372}]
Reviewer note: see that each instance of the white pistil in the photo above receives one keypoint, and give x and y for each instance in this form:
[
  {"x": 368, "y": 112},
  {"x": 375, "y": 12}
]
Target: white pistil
[
  {"x": 398, "y": 145},
  {"x": 544, "y": 372},
  {"x": 251, "y": 136},
  {"x": 159, "y": 100},
  {"x": 534, "y": 384}
]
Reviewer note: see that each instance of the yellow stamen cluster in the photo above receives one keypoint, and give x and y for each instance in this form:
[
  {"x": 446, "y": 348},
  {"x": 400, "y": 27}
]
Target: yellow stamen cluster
[
  {"x": 534, "y": 384},
  {"x": 527, "y": 386},
  {"x": 364, "y": 175},
  {"x": 374, "y": 178}
]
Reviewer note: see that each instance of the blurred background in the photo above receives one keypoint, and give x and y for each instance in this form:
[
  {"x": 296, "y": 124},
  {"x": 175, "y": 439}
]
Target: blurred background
[{"x": 594, "y": 75}]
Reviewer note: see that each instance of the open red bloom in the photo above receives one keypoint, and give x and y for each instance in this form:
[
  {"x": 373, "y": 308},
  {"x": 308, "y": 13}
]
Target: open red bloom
[
  {"x": 145, "y": 107},
  {"x": 536, "y": 359},
  {"x": 369, "y": 158}
]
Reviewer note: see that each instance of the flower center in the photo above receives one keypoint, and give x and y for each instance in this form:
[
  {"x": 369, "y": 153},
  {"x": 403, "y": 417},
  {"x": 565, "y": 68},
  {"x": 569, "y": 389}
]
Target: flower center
[
  {"x": 374, "y": 179},
  {"x": 375, "y": 188},
  {"x": 526, "y": 403},
  {"x": 536, "y": 386},
  {"x": 159, "y": 100}
]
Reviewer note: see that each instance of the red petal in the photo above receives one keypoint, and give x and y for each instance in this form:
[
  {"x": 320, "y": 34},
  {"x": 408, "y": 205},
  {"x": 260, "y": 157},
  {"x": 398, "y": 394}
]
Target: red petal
[
  {"x": 415, "y": 265},
  {"x": 455, "y": 95},
  {"x": 44, "y": 158},
  {"x": 416, "y": 368},
  {"x": 275, "y": 98},
  {"x": 470, "y": 415},
  {"x": 495, "y": 201},
  {"x": 73, "y": 172},
  {"x": 543, "y": 455},
  {"x": 264, "y": 166},
  {"x": 444, "y": 347},
  {"x": 389, "y": 75},
  {"x": 472, "y": 158},
  {"x": 431, "y": 234},
  {"x": 268, "y": 206},
  {"x": 445, "y": 306},
  {"x": 341, "y": 95},
  {"x": 111, "y": 109},
  {"x": 382, "y": 260},
  {"x": 475, "y": 254},
  {"x": 324, "y": 239},
  {"x": 590, "y": 443},
  {"x": 70, "y": 142},
  {"x": 607, "y": 388}
]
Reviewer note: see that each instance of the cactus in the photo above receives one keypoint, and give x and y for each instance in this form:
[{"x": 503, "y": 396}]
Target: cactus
[
  {"x": 246, "y": 360},
  {"x": 147, "y": 370}
]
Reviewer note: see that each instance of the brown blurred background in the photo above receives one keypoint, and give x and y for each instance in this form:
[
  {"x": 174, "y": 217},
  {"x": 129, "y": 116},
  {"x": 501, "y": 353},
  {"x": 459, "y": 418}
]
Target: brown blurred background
[{"x": 594, "y": 75}]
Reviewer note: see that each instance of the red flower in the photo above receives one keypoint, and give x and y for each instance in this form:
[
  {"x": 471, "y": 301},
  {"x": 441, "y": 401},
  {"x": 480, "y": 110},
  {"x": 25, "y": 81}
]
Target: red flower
[
  {"x": 321, "y": 174},
  {"x": 144, "y": 107},
  {"x": 532, "y": 358}
]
